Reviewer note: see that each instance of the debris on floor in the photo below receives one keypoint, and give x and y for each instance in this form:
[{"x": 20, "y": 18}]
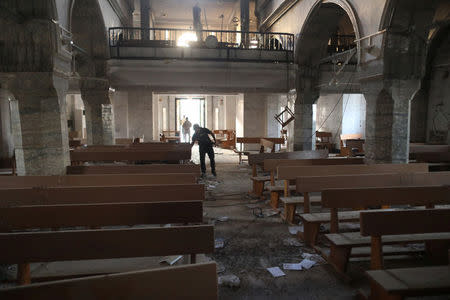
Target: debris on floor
[
  {"x": 307, "y": 264},
  {"x": 295, "y": 229},
  {"x": 219, "y": 243},
  {"x": 276, "y": 272},
  {"x": 314, "y": 257},
  {"x": 223, "y": 219},
  {"x": 171, "y": 260},
  {"x": 292, "y": 242},
  {"x": 229, "y": 281},
  {"x": 293, "y": 267}
]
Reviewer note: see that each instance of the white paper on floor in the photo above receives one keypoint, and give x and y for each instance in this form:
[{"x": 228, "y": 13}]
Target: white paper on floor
[
  {"x": 294, "y": 267},
  {"x": 295, "y": 229},
  {"x": 307, "y": 264},
  {"x": 276, "y": 272},
  {"x": 219, "y": 243},
  {"x": 314, "y": 257}
]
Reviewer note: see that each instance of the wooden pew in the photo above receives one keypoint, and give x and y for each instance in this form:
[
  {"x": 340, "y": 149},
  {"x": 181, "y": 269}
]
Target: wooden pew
[
  {"x": 97, "y": 180},
  {"x": 21, "y": 218},
  {"x": 99, "y": 214},
  {"x": 428, "y": 225},
  {"x": 306, "y": 185},
  {"x": 100, "y": 194},
  {"x": 351, "y": 141},
  {"x": 254, "y": 140},
  {"x": 288, "y": 173},
  {"x": 134, "y": 169},
  {"x": 197, "y": 281},
  {"x": 255, "y": 160},
  {"x": 271, "y": 165},
  {"x": 226, "y": 138},
  {"x": 128, "y": 155},
  {"x": 335, "y": 199},
  {"x": 71, "y": 245},
  {"x": 123, "y": 141}
]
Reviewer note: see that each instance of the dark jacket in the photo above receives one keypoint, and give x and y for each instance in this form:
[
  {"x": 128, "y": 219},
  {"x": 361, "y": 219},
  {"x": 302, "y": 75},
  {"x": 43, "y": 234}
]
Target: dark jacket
[{"x": 202, "y": 137}]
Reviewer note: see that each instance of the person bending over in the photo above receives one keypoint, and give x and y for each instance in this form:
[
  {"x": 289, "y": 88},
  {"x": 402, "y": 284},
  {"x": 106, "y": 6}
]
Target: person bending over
[{"x": 205, "y": 139}]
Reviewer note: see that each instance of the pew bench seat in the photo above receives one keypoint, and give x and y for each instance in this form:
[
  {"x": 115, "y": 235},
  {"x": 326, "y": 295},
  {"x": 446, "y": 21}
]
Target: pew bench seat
[
  {"x": 344, "y": 242},
  {"x": 275, "y": 192},
  {"x": 312, "y": 222},
  {"x": 258, "y": 184},
  {"x": 290, "y": 205},
  {"x": 409, "y": 282}
]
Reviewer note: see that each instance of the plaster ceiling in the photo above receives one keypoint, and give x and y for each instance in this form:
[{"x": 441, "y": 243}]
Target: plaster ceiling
[{"x": 179, "y": 12}]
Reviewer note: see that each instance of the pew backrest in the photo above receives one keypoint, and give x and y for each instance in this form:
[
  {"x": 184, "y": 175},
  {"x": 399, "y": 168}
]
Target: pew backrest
[
  {"x": 135, "y": 169},
  {"x": 129, "y": 155},
  {"x": 309, "y": 184},
  {"x": 97, "y": 180},
  {"x": 309, "y": 154},
  {"x": 198, "y": 281},
  {"x": 365, "y": 197},
  {"x": 100, "y": 194},
  {"x": 405, "y": 222},
  {"x": 272, "y": 164},
  {"x": 290, "y": 173},
  {"x": 97, "y": 215}
]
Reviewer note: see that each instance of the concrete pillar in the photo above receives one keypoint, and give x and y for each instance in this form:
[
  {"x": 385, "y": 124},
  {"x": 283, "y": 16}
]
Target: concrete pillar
[
  {"x": 303, "y": 123},
  {"x": 120, "y": 105},
  {"x": 140, "y": 114},
  {"x": 254, "y": 117},
  {"x": 98, "y": 111},
  {"x": 6, "y": 138},
  {"x": 245, "y": 20},
  {"x": 145, "y": 18},
  {"x": 230, "y": 102},
  {"x": 39, "y": 123},
  {"x": 387, "y": 119}
]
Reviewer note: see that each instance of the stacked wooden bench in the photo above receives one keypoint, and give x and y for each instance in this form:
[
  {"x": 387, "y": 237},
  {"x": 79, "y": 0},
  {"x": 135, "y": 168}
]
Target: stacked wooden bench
[
  {"x": 257, "y": 160},
  {"x": 261, "y": 141},
  {"x": 344, "y": 245},
  {"x": 288, "y": 173},
  {"x": 144, "y": 152},
  {"x": 271, "y": 165},
  {"x": 312, "y": 221},
  {"x": 438, "y": 156},
  {"x": 430, "y": 225},
  {"x": 135, "y": 169},
  {"x": 97, "y": 206}
]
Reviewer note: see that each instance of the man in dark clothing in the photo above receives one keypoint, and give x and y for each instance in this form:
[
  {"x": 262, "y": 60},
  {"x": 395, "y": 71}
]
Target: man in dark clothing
[{"x": 205, "y": 139}]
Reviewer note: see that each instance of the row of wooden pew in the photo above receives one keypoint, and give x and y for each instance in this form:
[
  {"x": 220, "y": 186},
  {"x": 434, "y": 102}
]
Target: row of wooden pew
[
  {"x": 107, "y": 212},
  {"x": 376, "y": 196}
]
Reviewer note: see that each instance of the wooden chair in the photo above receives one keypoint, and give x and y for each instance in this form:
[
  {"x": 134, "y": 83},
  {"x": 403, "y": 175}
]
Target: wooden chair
[
  {"x": 351, "y": 142},
  {"x": 323, "y": 140}
]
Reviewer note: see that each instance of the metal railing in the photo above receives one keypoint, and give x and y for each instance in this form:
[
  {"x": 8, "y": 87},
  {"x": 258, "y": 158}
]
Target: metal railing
[{"x": 220, "y": 39}]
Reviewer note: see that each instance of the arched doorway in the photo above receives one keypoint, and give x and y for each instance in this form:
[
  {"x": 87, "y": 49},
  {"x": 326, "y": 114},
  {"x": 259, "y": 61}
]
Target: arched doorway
[
  {"x": 327, "y": 56},
  {"x": 90, "y": 53}
]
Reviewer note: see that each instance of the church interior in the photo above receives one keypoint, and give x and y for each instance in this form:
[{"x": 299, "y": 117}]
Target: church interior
[{"x": 224, "y": 149}]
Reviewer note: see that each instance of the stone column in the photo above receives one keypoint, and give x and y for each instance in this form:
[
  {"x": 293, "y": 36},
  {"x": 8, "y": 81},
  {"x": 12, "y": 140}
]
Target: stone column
[
  {"x": 303, "y": 123},
  {"x": 39, "y": 123},
  {"x": 6, "y": 139},
  {"x": 245, "y": 20},
  {"x": 145, "y": 18},
  {"x": 140, "y": 113},
  {"x": 98, "y": 111},
  {"x": 120, "y": 105},
  {"x": 387, "y": 119}
]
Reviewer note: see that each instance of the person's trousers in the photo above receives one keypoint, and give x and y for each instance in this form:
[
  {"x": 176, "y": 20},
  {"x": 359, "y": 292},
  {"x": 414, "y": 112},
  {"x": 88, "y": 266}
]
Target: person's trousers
[
  {"x": 210, "y": 151},
  {"x": 187, "y": 137}
]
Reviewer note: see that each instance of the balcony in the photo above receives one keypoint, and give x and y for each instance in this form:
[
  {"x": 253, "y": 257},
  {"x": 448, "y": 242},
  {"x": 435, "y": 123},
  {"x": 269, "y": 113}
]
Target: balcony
[{"x": 206, "y": 45}]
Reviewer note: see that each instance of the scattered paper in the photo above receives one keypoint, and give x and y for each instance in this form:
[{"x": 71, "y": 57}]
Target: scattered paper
[
  {"x": 171, "y": 260},
  {"x": 295, "y": 229},
  {"x": 295, "y": 267},
  {"x": 219, "y": 243},
  {"x": 307, "y": 264},
  {"x": 314, "y": 257},
  {"x": 270, "y": 212},
  {"x": 223, "y": 219},
  {"x": 229, "y": 280},
  {"x": 276, "y": 272}
]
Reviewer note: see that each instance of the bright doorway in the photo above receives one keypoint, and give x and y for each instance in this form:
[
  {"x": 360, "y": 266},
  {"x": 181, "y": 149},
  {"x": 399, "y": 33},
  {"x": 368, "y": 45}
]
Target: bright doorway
[{"x": 191, "y": 108}]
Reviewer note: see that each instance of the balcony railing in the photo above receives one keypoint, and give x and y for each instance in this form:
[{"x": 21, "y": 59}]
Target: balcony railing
[{"x": 281, "y": 45}]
